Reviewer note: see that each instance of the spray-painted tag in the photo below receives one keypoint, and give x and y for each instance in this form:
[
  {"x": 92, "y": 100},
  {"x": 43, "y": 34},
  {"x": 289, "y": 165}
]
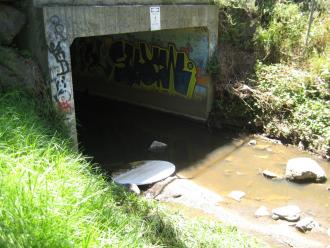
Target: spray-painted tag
[{"x": 154, "y": 18}]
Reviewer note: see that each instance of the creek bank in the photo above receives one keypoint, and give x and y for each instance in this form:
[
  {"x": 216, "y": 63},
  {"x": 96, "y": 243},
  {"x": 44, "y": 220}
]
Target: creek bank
[
  {"x": 181, "y": 190},
  {"x": 269, "y": 80},
  {"x": 290, "y": 225}
]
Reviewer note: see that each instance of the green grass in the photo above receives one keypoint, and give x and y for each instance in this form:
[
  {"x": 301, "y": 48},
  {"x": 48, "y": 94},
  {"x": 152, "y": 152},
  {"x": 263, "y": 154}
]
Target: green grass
[{"x": 51, "y": 196}]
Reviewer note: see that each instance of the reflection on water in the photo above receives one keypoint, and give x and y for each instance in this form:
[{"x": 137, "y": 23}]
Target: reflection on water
[{"x": 116, "y": 134}]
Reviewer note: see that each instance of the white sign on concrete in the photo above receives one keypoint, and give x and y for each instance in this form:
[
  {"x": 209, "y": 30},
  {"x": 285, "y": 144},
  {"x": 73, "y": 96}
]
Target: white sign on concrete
[{"x": 154, "y": 18}]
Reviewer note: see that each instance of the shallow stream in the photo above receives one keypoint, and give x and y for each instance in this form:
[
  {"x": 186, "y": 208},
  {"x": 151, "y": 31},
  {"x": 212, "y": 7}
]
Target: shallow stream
[{"x": 115, "y": 134}]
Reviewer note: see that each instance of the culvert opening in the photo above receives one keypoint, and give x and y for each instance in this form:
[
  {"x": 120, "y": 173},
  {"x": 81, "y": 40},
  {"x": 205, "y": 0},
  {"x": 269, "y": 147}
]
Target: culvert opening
[{"x": 116, "y": 77}]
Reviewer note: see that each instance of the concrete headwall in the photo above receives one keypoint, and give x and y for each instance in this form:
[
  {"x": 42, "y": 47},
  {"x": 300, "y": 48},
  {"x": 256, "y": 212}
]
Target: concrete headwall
[
  {"x": 188, "y": 37},
  {"x": 163, "y": 69},
  {"x": 42, "y": 3}
]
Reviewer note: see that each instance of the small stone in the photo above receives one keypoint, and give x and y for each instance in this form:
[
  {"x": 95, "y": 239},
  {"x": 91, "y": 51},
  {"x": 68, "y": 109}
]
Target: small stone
[
  {"x": 301, "y": 146},
  {"x": 275, "y": 217},
  {"x": 239, "y": 173},
  {"x": 236, "y": 195},
  {"x": 252, "y": 142},
  {"x": 304, "y": 170},
  {"x": 306, "y": 224},
  {"x": 328, "y": 189},
  {"x": 133, "y": 188},
  {"x": 269, "y": 174},
  {"x": 176, "y": 195},
  {"x": 157, "y": 146},
  {"x": 289, "y": 213},
  {"x": 261, "y": 212}
]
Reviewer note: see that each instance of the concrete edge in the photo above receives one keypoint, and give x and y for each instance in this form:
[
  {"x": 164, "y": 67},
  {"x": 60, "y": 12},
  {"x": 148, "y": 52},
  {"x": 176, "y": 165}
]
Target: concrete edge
[{"x": 57, "y": 3}]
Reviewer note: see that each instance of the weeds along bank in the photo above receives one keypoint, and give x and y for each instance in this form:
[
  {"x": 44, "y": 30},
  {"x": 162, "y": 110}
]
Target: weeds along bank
[
  {"x": 273, "y": 78},
  {"x": 52, "y": 197}
]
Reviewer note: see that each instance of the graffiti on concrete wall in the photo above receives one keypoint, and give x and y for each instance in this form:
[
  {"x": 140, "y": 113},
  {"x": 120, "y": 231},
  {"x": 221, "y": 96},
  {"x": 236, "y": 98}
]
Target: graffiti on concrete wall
[
  {"x": 59, "y": 64},
  {"x": 139, "y": 65},
  {"x": 166, "y": 69}
]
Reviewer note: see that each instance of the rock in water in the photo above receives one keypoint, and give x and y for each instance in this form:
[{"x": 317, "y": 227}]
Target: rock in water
[
  {"x": 270, "y": 174},
  {"x": 262, "y": 211},
  {"x": 236, "y": 195},
  {"x": 157, "y": 146},
  {"x": 275, "y": 217},
  {"x": 252, "y": 142},
  {"x": 11, "y": 22},
  {"x": 306, "y": 224},
  {"x": 304, "y": 170},
  {"x": 133, "y": 188},
  {"x": 289, "y": 213}
]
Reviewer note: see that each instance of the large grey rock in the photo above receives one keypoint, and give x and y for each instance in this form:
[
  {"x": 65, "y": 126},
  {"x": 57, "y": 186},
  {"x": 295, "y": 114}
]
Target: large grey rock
[
  {"x": 18, "y": 71},
  {"x": 11, "y": 22},
  {"x": 306, "y": 224},
  {"x": 289, "y": 213},
  {"x": 304, "y": 170}
]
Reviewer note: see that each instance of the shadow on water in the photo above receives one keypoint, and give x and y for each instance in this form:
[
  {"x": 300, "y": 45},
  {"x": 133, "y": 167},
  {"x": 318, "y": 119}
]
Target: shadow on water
[{"x": 116, "y": 133}]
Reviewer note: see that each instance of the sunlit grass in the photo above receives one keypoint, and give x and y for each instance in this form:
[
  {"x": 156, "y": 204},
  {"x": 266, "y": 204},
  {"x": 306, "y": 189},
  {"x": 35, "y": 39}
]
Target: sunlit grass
[{"x": 51, "y": 196}]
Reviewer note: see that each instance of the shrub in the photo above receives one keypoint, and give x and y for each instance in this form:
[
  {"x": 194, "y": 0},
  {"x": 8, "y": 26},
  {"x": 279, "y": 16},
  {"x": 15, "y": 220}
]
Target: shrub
[
  {"x": 295, "y": 106},
  {"x": 283, "y": 39}
]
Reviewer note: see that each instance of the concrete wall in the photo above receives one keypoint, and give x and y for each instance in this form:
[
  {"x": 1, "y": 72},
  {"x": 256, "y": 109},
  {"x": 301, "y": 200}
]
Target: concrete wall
[
  {"x": 66, "y": 20},
  {"x": 163, "y": 69}
]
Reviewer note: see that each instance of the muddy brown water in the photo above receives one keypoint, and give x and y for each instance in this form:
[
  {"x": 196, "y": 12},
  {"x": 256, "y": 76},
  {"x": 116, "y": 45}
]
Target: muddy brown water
[
  {"x": 115, "y": 134},
  {"x": 241, "y": 170}
]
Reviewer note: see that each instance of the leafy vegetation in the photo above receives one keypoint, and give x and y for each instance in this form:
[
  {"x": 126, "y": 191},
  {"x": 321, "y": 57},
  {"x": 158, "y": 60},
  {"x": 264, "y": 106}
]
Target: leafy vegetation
[
  {"x": 294, "y": 106},
  {"x": 51, "y": 196},
  {"x": 287, "y": 94},
  {"x": 282, "y": 40}
]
